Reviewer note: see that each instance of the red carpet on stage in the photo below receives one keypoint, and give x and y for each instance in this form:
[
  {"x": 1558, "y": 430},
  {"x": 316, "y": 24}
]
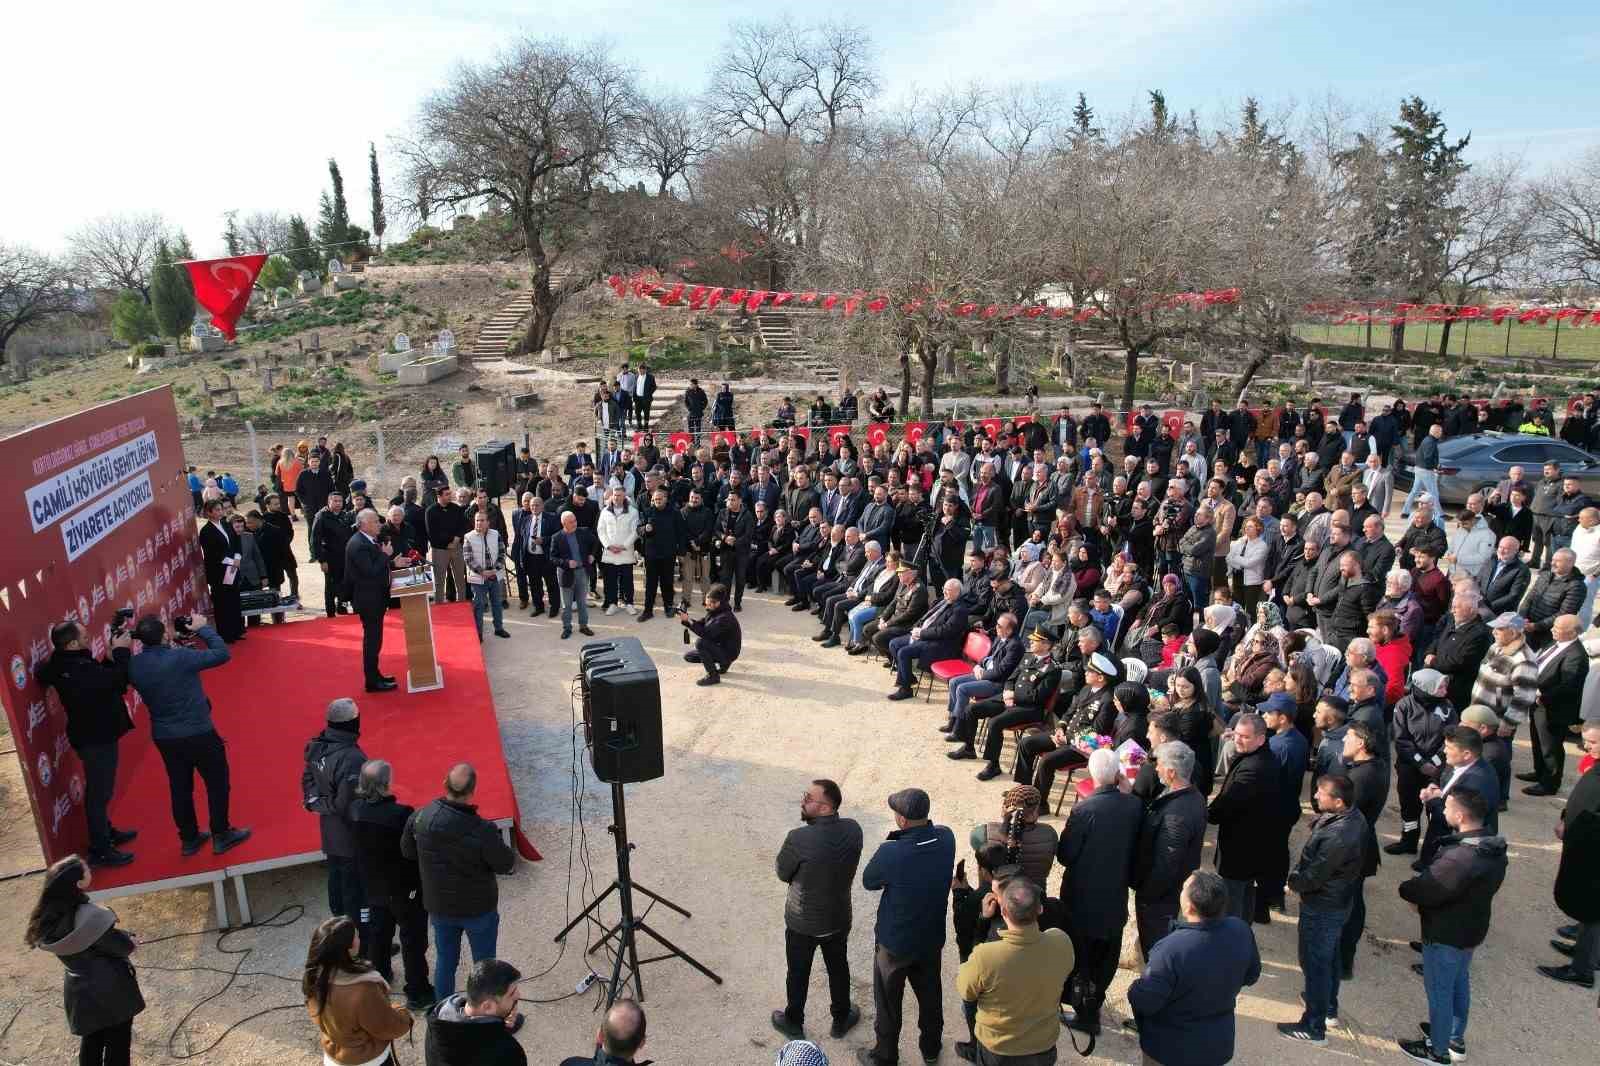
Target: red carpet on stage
[{"x": 271, "y": 698}]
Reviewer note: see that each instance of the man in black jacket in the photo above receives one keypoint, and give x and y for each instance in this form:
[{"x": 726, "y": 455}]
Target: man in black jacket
[
  {"x": 1021, "y": 703},
  {"x": 694, "y": 403},
  {"x": 1458, "y": 650},
  {"x": 735, "y": 529},
  {"x": 531, "y": 529},
  {"x": 1170, "y": 842},
  {"x": 313, "y": 490},
  {"x": 476, "y": 1029},
  {"x": 367, "y": 562},
  {"x": 91, "y": 693},
  {"x": 938, "y": 635},
  {"x": 1464, "y": 752},
  {"x": 718, "y": 636},
  {"x": 1563, "y": 669},
  {"x": 619, "y": 1039},
  {"x": 1244, "y": 852},
  {"x": 1556, "y": 591},
  {"x": 1326, "y": 878},
  {"x": 572, "y": 553},
  {"x": 818, "y": 862},
  {"x": 458, "y": 855},
  {"x": 330, "y": 532},
  {"x": 662, "y": 530},
  {"x": 393, "y": 886},
  {"x": 447, "y": 526},
  {"x": 1097, "y": 854},
  {"x": 1369, "y": 779},
  {"x": 333, "y": 761},
  {"x": 1454, "y": 896}
]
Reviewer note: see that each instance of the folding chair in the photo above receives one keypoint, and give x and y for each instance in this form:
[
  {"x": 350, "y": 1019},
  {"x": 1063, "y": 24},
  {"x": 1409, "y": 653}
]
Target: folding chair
[{"x": 947, "y": 670}]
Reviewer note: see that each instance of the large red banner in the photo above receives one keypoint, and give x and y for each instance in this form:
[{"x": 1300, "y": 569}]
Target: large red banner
[{"x": 98, "y": 516}]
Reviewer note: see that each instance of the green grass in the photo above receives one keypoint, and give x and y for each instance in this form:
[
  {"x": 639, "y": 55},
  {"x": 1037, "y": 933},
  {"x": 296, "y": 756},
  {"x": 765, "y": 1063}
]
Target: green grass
[
  {"x": 346, "y": 309},
  {"x": 1481, "y": 338},
  {"x": 336, "y": 389}
]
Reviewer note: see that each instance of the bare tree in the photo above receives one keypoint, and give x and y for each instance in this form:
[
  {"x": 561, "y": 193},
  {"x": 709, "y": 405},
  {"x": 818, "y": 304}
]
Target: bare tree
[
  {"x": 264, "y": 231},
  {"x": 667, "y": 138},
  {"x": 1567, "y": 207},
  {"x": 538, "y": 130},
  {"x": 34, "y": 288},
  {"x": 1494, "y": 237},
  {"x": 119, "y": 251}
]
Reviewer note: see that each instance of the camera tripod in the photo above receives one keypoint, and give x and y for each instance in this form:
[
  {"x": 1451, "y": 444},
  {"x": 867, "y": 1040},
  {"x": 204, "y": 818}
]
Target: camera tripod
[{"x": 625, "y": 931}]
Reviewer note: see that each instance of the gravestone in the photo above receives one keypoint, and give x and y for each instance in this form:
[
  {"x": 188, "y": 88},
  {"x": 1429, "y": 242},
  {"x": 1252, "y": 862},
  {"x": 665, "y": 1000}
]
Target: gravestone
[
  {"x": 1308, "y": 370},
  {"x": 282, "y": 297},
  {"x": 446, "y": 342},
  {"x": 402, "y": 343},
  {"x": 724, "y": 362},
  {"x": 552, "y": 335},
  {"x": 203, "y": 338},
  {"x": 335, "y": 267},
  {"x": 633, "y": 329},
  {"x": 652, "y": 351},
  {"x": 308, "y": 282},
  {"x": 316, "y": 342},
  {"x": 345, "y": 282},
  {"x": 708, "y": 339},
  {"x": 562, "y": 355},
  {"x": 267, "y": 374}
]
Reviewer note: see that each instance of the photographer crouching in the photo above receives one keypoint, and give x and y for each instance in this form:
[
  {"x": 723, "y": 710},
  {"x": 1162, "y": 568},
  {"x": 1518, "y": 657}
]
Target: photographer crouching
[
  {"x": 718, "y": 633},
  {"x": 91, "y": 692},
  {"x": 167, "y": 678}
]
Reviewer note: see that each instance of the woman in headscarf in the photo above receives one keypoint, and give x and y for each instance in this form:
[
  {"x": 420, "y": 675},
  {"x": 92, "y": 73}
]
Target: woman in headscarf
[
  {"x": 1169, "y": 608},
  {"x": 1085, "y": 567},
  {"x": 1028, "y": 843},
  {"x": 1132, "y": 701},
  {"x": 1197, "y": 722}
]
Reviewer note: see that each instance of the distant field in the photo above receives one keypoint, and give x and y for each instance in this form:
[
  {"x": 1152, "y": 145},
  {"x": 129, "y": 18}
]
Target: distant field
[{"x": 1483, "y": 338}]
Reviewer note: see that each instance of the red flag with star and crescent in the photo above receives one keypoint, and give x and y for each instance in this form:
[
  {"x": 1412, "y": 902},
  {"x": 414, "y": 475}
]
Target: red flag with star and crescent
[{"x": 223, "y": 286}]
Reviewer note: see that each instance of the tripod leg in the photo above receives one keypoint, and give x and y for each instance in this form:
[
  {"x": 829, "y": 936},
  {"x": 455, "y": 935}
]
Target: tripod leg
[
  {"x": 677, "y": 951},
  {"x": 612, "y": 887},
  {"x": 663, "y": 900}
]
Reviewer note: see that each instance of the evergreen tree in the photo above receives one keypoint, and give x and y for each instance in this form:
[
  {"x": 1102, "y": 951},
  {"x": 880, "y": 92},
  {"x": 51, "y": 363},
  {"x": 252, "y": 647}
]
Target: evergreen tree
[
  {"x": 1162, "y": 125},
  {"x": 1425, "y": 169},
  {"x": 132, "y": 321},
  {"x": 333, "y": 217},
  {"x": 170, "y": 295},
  {"x": 379, "y": 222},
  {"x": 1083, "y": 127},
  {"x": 302, "y": 251},
  {"x": 230, "y": 234}
]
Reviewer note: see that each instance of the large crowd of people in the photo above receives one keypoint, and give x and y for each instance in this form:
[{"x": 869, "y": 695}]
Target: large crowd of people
[{"x": 1209, "y": 622}]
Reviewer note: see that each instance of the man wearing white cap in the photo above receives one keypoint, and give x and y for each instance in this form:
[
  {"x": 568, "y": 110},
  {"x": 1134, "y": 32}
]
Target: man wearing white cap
[
  {"x": 1039, "y": 756},
  {"x": 1508, "y": 679}
]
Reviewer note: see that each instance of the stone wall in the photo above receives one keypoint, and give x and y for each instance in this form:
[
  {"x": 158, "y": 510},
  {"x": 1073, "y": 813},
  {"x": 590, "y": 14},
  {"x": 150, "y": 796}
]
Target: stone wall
[{"x": 410, "y": 272}]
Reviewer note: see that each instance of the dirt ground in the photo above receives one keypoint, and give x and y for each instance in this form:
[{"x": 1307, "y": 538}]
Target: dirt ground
[{"x": 738, "y": 757}]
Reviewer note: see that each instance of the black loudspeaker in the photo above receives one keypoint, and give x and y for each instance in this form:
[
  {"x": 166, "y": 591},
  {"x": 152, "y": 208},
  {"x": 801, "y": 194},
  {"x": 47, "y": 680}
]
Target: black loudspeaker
[
  {"x": 621, "y": 710},
  {"x": 497, "y": 467}
]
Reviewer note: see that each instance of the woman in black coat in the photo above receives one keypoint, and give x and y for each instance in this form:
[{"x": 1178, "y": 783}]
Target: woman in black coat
[
  {"x": 1186, "y": 695},
  {"x": 100, "y": 988}
]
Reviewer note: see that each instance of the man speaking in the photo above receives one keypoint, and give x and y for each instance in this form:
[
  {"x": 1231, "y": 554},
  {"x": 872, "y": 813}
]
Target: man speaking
[{"x": 366, "y": 567}]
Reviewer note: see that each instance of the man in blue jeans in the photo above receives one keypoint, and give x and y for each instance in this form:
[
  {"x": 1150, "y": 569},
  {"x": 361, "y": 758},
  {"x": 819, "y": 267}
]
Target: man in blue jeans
[
  {"x": 1326, "y": 879},
  {"x": 458, "y": 855},
  {"x": 1425, "y": 469},
  {"x": 1453, "y": 896}
]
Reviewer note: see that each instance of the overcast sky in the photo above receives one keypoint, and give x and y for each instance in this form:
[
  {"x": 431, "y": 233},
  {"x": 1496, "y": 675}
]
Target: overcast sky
[{"x": 191, "y": 109}]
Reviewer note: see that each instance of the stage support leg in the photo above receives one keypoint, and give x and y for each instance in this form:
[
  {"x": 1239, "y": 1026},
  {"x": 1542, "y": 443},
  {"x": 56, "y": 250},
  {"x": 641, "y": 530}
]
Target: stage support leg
[
  {"x": 221, "y": 900},
  {"x": 243, "y": 899}
]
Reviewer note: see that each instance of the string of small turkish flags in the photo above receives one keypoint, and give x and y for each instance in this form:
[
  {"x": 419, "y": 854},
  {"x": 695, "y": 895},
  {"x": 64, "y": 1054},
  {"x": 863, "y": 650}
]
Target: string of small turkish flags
[
  {"x": 709, "y": 297},
  {"x": 1395, "y": 314}
]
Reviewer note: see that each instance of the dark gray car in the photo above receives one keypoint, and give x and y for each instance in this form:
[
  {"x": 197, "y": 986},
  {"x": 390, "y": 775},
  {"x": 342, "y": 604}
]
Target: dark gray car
[{"x": 1481, "y": 460}]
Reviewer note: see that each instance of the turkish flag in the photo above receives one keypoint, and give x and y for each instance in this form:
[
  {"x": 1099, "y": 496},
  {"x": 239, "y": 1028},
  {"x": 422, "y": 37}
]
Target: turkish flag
[
  {"x": 638, "y": 438},
  {"x": 1022, "y": 420},
  {"x": 679, "y": 442},
  {"x": 724, "y": 436},
  {"x": 836, "y": 432},
  {"x": 803, "y": 432},
  {"x": 915, "y": 431},
  {"x": 991, "y": 426},
  {"x": 877, "y": 433},
  {"x": 959, "y": 427},
  {"x": 223, "y": 286}
]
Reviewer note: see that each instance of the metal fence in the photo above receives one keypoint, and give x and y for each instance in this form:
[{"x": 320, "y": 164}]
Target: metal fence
[{"x": 381, "y": 456}]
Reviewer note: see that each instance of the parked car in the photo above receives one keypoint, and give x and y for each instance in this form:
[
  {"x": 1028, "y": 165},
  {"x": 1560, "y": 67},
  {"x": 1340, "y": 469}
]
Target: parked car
[{"x": 1481, "y": 460}]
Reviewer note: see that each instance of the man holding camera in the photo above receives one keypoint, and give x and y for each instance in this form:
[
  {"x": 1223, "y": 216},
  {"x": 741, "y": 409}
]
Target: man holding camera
[
  {"x": 91, "y": 692},
  {"x": 167, "y": 678}
]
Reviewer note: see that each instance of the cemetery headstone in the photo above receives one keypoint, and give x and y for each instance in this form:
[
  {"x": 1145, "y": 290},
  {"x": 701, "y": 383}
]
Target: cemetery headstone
[
  {"x": 309, "y": 282},
  {"x": 335, "y": 267},
  {"x": 446, "y": 340},
  {"x": 402, "y": 343}
]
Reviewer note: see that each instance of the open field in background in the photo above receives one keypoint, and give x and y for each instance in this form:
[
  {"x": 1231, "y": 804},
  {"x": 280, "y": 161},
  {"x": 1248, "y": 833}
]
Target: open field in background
[{"x": 1480, "y": 339}]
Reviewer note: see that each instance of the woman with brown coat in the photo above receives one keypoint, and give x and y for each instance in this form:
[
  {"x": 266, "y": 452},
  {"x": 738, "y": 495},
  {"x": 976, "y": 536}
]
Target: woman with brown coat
[{"x": 349, "y": 1000}]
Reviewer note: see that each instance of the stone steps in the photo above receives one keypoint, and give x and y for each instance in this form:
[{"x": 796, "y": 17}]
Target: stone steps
[
  {"x": 779, "y": 339},
  {"x": 495, "y": 335}
]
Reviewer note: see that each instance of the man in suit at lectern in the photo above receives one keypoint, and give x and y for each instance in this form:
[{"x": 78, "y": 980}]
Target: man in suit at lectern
[{"x": 366, "y": 567}]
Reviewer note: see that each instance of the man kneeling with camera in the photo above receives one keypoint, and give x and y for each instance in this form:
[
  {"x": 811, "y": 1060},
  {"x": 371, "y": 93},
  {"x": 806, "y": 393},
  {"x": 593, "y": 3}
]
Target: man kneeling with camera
[{"x": 719, "y": 636}]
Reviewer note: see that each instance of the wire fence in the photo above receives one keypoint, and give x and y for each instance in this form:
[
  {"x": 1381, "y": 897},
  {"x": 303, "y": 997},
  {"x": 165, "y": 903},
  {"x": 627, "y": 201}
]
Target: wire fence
[
  {"x": 380, "y": 455},
  {"x": 1511, "y": 339}
]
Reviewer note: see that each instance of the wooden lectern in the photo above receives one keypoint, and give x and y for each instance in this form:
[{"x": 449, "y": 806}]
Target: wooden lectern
[{"x": 412, "y": 588}]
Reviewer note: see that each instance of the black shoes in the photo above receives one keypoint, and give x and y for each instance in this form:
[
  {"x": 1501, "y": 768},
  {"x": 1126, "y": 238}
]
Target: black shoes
[
  {"x": 841, "y": 1026},
  {"x": 1421, "y": 1051},
  {"x": 1406, "y": 845},
  {"x": 381, "y": 686},
  {"x": 1564, "y": 948},
  {"x": 781, "y": 1022},
  {"x": 820, "y": 637},
  {"x": 501, "y": 633},
  {"x": 1540, "y": 789},
  {"x": 228, "y": 840},
  {"x": 566, "y": 634},
  {"x": 831, "y": 642},
  {"x": 646, "y": 615},
  {"x": 1567, "y": 975},
  {"x": 1569, "y": 932},
  {"x": 123, "y": 836},
  {"x": 189, "y": 847},
  {"x": 691, "y": 656},
  {"x": 990, "y": 772},
  {"x": 856, "y": 649},
  {"x": 1528, "y": 776},
  {"x": 586, "y": 631},
  {"x": 387, "y": 677},
  {"x": 901, "y": 693},
  {"x": 109, "y": 857},
  {"x": 966, "y": 751},
  {"x": 1458, "y": 1048},
  {"x": 709, "y": 680}
]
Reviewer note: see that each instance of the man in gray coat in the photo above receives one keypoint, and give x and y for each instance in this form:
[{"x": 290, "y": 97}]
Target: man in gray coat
[{"x": 818, "y": 862}]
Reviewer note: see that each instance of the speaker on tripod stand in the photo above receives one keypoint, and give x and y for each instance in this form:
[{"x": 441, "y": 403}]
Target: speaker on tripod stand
[{"x": 622, "y": 729}]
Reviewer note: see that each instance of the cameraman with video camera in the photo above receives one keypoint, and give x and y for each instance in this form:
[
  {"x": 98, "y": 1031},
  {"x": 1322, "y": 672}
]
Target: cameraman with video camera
[
  {"x": 91, "y": 692},
  {"x": 167, "y": 678}
]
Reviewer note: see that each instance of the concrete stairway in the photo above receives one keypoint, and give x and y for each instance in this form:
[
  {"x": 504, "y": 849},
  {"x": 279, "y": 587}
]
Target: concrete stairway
[
  {"x": 495, "y": 335},
  {"x": 778, "y": 337}
]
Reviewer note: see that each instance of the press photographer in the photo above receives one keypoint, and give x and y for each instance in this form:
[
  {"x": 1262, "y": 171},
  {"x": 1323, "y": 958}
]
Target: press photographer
[
  {"x": 91, "y": 692},
  {"x": 167, "y": 678},
  {"x": 719, "y": 636}
]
